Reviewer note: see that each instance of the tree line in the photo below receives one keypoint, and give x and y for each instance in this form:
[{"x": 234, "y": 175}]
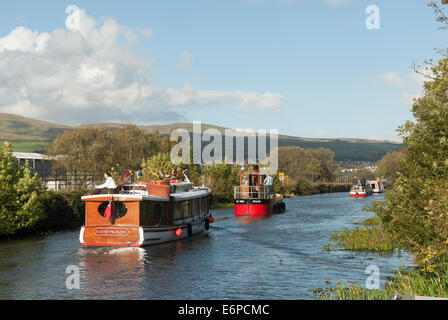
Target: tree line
[{"x": 130, "y": 147}]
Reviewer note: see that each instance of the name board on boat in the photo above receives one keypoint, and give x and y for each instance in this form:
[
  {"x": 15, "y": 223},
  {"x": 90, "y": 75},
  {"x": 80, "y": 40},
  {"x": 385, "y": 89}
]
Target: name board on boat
[{"x": 111, "y": 232}]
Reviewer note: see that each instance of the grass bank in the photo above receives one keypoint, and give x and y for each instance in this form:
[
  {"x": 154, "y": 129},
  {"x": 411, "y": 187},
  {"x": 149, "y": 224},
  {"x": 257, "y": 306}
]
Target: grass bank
[
  {"x": 370, "y": 236},
  {"x": 403, "y": 282}
]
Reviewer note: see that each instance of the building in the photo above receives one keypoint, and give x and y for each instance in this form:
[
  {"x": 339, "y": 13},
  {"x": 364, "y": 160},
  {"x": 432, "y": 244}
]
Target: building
[{"x": 39, "y": 163}]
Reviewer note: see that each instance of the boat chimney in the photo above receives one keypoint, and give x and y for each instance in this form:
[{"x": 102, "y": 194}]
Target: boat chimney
[{"x": 256, "y": 168}]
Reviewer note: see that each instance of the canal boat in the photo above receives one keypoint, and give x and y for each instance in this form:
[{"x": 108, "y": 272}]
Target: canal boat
[
  {"x": 378, "y": 186},
  {"x": 145, "y": 214},
  {"x": 361, "y": 191},
  {"x": 253, "y": 199}
]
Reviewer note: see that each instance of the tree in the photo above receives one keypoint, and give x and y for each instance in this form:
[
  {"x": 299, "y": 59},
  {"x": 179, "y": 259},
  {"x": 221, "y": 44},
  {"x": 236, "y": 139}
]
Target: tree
[
  {"x": 287, "y": 185},
  {"x": 87, "y": 148},
  {"x": 160, "y": 162},
  {"x": 21, "y": 195},
  {"x": 311, "y": 164},
  {"x": 364, "y": 173},
  {"x": 131, "y": 144},
  {"x": 94, "y": 148},
  {"x": 415, "y": 209},
  {"x": 221, "y": 179},
  {"x": 389, "y": 166}
]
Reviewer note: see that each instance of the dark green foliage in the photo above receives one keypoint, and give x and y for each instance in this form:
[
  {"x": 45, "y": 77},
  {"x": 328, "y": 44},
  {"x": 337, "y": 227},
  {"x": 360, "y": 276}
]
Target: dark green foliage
[
  {"x": 221, "y": 179},
  {"x": 21, "y": 195},
  {"x": 389, "y": 166},
  {"x": 415, "y": 209},
  {"x": 64, "y": 210}
]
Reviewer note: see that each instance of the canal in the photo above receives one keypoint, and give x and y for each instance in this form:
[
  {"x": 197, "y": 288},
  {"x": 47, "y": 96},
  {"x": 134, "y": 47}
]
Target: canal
[{"x": 280, "y": 257}]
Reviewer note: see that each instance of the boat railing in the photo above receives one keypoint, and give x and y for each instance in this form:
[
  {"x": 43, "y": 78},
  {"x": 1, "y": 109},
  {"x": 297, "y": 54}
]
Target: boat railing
[{"x": 254, "y": 192}]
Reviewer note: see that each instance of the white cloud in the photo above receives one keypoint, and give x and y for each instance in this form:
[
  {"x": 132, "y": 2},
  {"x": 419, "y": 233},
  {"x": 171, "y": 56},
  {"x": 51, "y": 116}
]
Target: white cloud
[
  {"x": 92, "y": 74},
  {"x": 393, "y": 79},
  {"x": 411, "y": 87},
  {"x": 146, "y": 33},
  {"x": 185, "y": 61}
]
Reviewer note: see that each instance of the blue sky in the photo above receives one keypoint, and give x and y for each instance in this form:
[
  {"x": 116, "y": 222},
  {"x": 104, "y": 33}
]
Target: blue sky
[{"x": 308, "y": 68}]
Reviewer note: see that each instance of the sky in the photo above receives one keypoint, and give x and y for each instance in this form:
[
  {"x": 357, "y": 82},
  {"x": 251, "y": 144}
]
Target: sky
[{"x": 309, "y": 68}]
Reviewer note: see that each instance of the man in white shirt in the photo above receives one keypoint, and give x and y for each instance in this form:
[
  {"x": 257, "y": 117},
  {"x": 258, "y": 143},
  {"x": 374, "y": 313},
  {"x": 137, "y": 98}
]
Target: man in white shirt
[
  {"x": 268, "y": 183},
  {"x": 109, "y": 184}
]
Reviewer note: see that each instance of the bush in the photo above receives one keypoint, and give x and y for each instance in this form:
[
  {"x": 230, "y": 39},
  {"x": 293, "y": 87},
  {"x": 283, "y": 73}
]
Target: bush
[
  {"x": 63, "y": 210},
  {"x": 21, "y": 195},
  {"x": 221, "y": 179}
]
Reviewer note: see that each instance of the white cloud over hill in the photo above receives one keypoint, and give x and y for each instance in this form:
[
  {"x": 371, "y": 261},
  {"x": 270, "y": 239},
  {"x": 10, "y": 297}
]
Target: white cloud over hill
[{"x": 93, "y": 74}]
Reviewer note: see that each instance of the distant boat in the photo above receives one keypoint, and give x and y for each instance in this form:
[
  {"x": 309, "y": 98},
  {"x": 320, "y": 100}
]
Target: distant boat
[
  {"x": 361, "y": 191},
  {"x": 378, "y": 186}
]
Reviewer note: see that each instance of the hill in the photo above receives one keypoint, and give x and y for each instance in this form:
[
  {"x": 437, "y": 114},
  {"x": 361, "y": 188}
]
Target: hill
[{"x": 30, "y": 135}]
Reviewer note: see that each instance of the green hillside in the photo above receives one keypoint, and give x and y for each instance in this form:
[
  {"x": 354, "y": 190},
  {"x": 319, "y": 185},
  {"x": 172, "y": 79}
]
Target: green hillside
[{"x": 29, "y": 135}]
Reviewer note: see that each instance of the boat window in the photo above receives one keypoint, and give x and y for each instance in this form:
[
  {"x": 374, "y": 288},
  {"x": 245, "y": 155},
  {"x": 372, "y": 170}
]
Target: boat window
[
  {"x": 199, "y": 207},
  {"x": 177, "y": 212},
  {"x": 186, "y": 209},
  {"x": 145, "y": 213},
  {"x": 120, "y": 209},
  {"x": 194, "y": 205},
  {"x": 202, "y": 206},
  {"x": 157, "y": 214}
]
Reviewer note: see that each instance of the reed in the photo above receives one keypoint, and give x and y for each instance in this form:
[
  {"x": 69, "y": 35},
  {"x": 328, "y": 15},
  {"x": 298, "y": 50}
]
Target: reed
[
  {"x": 372, "y": 237},
  {"x": 352, "y": 291},
  {"x": 404, "y": 282},
  {"x": 369, "y": 238},
  {"x": 430, "y": 284}
]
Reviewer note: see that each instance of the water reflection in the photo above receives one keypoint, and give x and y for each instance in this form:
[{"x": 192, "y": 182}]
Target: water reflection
[{"x": 108, "y": 272}]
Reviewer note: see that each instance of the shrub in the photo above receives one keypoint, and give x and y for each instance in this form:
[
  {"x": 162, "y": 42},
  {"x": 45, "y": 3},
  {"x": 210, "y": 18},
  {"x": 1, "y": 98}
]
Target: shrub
[{"x": 21, "y": 195}]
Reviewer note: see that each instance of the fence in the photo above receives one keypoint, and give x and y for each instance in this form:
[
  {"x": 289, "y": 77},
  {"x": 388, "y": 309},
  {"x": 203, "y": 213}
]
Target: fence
[
  {"x": 257, "y": 192},
  {"x": 62, "y": 179}
]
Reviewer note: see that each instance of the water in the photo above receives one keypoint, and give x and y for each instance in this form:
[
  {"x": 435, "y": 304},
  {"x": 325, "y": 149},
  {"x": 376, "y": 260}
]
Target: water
[{"x": 280, "y": 257}]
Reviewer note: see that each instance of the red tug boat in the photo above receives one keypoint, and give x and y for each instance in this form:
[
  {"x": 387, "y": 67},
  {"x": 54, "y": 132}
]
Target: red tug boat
[{"x": 255, "y": 199}]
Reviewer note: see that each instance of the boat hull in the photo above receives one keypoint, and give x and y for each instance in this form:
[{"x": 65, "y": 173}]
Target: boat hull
[
  {"x": 258, "y": 208},
  {"x": 358, "y": 195},
  {"x": 138, "y": 236}
]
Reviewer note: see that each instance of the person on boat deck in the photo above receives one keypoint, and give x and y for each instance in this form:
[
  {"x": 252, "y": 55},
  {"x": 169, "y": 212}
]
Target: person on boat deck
[
  {"x": 268, "y": 183},
  {"x": 109, "y": 184}
]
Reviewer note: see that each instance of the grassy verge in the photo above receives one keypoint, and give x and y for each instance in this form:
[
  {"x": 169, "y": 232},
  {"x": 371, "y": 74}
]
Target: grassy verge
[
  {"x": 403, "y": 282},
  {"x": 371, "y": 237},
  {"x": 352, "y": 291}
]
